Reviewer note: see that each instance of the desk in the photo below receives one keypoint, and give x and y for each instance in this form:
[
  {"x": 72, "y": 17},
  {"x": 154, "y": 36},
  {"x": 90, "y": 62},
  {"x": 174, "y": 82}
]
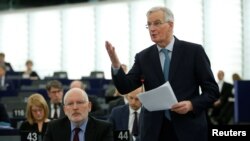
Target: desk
[{"x": 9, "y": 134}]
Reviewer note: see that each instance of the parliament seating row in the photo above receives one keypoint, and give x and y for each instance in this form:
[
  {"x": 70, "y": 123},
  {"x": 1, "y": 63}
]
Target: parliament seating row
[
  {"x": 95, "y": 86},
  {"x": 15, "y": 101}
]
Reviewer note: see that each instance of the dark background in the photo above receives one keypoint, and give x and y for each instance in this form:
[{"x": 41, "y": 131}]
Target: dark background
[{"x": 19, "y": 4}]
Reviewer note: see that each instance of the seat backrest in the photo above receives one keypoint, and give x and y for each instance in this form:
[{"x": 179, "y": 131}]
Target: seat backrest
[
  {"x": 60, "y": 74},
  {"x": 97, "y": 74}
]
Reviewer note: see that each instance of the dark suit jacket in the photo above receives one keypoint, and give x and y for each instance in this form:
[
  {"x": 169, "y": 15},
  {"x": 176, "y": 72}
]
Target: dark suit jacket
[
  {"x": 119, "y": 117},
  {"x": 225, "y": 93},
  {"x": 8, "y": 84},
  {"x": 189, "y": 69},
  {"x": 3, "y": 114},
  {"x": 225, "y": 111},
  {"x": 8, "y": 89},
  {"x": 96, "y": 130},
  {"x": 8, "y": 67}
]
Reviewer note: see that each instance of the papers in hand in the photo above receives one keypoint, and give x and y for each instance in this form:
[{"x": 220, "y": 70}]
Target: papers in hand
[{"x": 160, "y": 98}]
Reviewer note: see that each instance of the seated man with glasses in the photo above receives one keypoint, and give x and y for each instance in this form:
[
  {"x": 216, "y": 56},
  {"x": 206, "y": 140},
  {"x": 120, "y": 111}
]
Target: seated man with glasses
[
  {"x": 77, "y": 125},
  {"x": 55, "y": 93}
]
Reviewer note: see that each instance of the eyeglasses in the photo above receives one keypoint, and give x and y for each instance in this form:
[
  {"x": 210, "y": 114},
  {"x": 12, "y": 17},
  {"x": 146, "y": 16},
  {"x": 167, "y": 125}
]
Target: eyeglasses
[
  {"x": 55, "y": 91},
  {"x": 77, "y": 103},
  {"x": 37, "y": 110},
  {"x": 157, "y": 23}
]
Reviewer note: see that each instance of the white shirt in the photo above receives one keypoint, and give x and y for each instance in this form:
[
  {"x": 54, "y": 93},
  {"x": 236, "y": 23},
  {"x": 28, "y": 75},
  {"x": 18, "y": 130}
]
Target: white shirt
[
  {"x": 220, "y": 84},
  {"x": 2, "y": 81},
  {"x": 132, "y": 118},
  {"x": 53, "y": 110}
]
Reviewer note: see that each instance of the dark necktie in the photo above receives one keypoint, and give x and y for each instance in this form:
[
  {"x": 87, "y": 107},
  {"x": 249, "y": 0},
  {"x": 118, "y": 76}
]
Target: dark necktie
[
  {"x": 55, "y": 113},
  {"x": 166, "y": 72},
  {"x": 135, "y": 129},
  {"x": 76, "y": 137}
]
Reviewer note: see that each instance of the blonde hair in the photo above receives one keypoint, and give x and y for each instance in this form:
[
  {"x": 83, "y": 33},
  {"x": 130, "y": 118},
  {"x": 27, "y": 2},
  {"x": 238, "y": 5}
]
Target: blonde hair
[{"x": 36, "y": 100}]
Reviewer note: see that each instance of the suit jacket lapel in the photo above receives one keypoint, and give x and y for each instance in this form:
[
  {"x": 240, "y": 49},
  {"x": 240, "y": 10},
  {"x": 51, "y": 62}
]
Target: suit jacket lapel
[
  {"x": 157, "y": 63},
  {"x": 175, "y": 59},
  {"x": 89, "y": 133},
  {"x": 125, "y": 116},
  {"x": 65, "y": 130},
  {"x": 68, "y": 133}
]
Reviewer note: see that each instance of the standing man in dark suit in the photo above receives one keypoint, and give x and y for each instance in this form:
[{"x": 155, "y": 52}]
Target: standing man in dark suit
[
  {"x": 8, "y": 66},
  {"x": 122, "y": 117},
  {"x": 189, "y": 70},
  {"x": 55, "y": 93},
  {"x": 78, "y": 124},
  {"x": 225, "y": 89}
]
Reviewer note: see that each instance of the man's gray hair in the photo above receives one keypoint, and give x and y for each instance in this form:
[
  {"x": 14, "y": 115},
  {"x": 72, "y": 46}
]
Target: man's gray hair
[
  {"x": 169, "y": 16},
  {"x": 76, "y": 90}
]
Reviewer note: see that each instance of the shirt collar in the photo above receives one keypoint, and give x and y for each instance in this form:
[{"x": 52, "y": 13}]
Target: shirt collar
[
  {"x": 82, "y": 125},
  {"x": 169, "y": 47},
  {"x": 131, "y": 111}
]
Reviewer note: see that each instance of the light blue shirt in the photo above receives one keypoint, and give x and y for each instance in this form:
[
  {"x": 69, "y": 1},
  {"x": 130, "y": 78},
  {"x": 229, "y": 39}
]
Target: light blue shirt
[
  {"x": 169, "y": 47},
  {"x": 81, "y": 133}
]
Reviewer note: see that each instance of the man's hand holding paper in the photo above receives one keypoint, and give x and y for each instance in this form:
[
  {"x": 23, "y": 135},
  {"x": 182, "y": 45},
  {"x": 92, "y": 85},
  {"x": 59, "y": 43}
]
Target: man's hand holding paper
[{"x": 160, "y": 98}]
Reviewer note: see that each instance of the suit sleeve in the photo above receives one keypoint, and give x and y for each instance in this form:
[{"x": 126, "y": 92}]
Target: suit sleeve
[
  {"x": 3, "y": 114},
  {"x": 112, "y": 119},
  {"x": 108, "y": 133},
  {"x": 209, "y": 87},
  {"x": 126, "y": 83}
]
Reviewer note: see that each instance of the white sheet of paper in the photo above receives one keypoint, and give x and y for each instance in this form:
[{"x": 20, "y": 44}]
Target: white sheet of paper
[{"x": 160, "y": 98}]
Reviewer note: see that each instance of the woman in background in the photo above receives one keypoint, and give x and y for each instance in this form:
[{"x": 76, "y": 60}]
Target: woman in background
[
  {"x": 37, "y": 112},
  {"x": 29, "y": 73}
]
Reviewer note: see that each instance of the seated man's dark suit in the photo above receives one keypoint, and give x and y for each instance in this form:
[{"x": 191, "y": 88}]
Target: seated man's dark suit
[
  {"x": 8, "y": 88},
  {"x": 96, "y": 130},
  {"x": 217, "y": 111},
  {"x": 9, "y": 68},
  {"x": 9, "y": 84},
  {"x": 3, "y": 114},
  {"x": 119, "y": 117}
]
